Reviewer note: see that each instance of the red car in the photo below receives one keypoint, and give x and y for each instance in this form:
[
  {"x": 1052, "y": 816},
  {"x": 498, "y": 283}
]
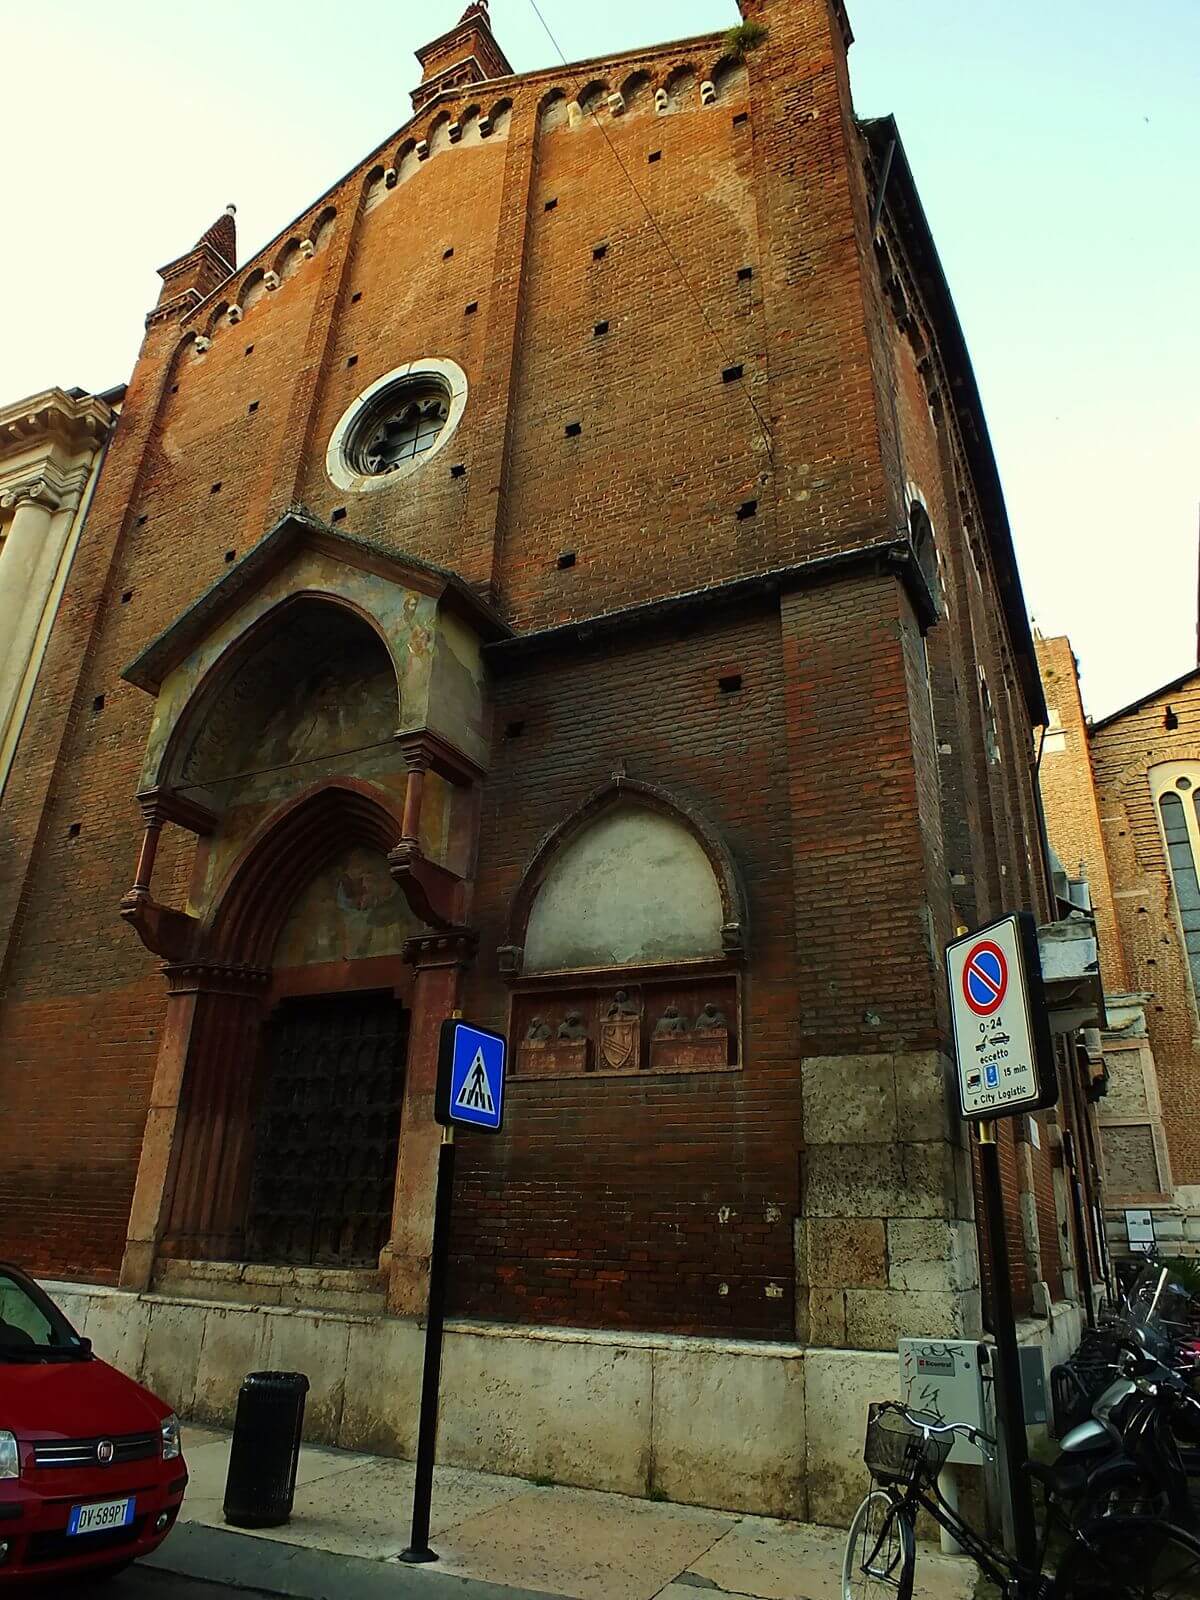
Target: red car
[{"x": 91, "y": 1466}]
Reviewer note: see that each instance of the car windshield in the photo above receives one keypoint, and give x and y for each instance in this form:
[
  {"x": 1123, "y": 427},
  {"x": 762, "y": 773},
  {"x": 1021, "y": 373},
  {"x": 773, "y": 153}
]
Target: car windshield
[{"x": 32, "y": 1328}]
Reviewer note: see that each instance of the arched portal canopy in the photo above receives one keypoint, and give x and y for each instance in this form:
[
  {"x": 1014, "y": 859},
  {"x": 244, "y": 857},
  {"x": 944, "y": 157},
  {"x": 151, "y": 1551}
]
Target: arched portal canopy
[{"x": 277, "y": 606}]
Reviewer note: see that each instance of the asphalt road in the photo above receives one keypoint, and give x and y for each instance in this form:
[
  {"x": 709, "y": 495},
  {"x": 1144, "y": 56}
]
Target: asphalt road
[{"x": 141, "y": 1583}]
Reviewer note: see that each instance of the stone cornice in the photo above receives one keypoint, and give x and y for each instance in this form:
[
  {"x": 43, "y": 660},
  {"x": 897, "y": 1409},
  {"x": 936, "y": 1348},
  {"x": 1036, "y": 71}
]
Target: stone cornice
[{"x": 79, "y": 421}]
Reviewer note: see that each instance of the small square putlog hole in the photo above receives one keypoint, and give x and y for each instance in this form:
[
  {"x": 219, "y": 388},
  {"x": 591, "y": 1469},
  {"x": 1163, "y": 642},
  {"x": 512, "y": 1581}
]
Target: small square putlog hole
[{"x": 565, "y": 560}]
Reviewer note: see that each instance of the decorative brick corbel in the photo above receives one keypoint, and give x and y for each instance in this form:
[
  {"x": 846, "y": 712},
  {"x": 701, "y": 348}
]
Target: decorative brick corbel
[
  {"x": 164, "y": 931},
  {"x": 434, "y": 893},
  {"x": 512, "y": 960}
]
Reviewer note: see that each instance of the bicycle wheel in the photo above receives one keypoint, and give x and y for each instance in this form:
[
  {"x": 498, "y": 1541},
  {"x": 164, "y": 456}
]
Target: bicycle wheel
[
  {"x": 1130, "y": 1558},
  {"x": 881, "y": 1551}
]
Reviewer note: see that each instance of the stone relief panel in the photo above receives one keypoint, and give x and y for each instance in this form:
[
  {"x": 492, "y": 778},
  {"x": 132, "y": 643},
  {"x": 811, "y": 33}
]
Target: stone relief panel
[
  {"x": 350, "y": 911},
  {"x": 1126, "y": 1100},
  {"x": 634, "y": 889},
  {"x": 681, "y": 1024},
  {"x": 1130, "y": 1161}
]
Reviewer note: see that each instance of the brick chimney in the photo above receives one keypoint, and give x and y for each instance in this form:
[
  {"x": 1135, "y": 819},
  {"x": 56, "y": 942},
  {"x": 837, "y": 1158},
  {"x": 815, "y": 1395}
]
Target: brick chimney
[
  {"x": 193, "y": 275},
  {"x": 467, "y": 54},
  {"x": 764, "y": 10}
]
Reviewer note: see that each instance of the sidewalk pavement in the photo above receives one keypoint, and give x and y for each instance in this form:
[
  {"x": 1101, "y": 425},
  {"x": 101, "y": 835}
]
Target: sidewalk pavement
[{"x": 503, "y": 1539}]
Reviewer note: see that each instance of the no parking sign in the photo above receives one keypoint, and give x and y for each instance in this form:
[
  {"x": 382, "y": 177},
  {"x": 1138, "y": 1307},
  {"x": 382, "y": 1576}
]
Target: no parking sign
[{"x": 1001, "y": 1027}]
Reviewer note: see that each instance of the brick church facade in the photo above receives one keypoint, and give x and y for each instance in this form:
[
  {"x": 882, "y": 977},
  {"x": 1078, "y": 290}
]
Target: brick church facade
[{"x": 563, "y": 576}]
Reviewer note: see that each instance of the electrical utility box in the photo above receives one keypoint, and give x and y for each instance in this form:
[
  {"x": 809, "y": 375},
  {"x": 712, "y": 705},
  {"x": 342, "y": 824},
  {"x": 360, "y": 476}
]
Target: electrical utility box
[{"x": 949, "y": 1380}]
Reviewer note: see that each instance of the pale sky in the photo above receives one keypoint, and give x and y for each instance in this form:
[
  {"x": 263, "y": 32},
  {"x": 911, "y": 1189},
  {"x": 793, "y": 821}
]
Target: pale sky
[{"x": 1054, "y": 145}]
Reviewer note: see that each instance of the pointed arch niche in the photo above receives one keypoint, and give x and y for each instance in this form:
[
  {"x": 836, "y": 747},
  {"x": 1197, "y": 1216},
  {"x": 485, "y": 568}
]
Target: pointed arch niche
[{"x": 626, "y": 943}]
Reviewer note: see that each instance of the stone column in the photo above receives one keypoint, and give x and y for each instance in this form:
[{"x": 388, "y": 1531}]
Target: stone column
[
  {"x": 151, "y": 1193},
  {"x": 440, "y": 961},
  {"x": 193, "y": 1175},
  {"x": 29, "y": 560}
]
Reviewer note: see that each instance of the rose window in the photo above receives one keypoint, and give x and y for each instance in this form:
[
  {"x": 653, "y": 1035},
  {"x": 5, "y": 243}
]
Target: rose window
[{"x": 400, "y": 430}]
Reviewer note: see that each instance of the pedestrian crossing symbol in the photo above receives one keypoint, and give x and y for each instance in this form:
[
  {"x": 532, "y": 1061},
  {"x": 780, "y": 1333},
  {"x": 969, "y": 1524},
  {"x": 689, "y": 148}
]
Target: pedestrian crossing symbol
[
  {"x": 476, "y": 1092},
  {"x": 470, "y": 1087}
]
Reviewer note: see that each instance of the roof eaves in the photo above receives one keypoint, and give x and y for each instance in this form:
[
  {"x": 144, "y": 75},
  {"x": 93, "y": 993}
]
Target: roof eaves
[
  {"x": 1145, "y": 699},
  {"x": 546, "y": 74},
  {"x": 904, "y": 203}
]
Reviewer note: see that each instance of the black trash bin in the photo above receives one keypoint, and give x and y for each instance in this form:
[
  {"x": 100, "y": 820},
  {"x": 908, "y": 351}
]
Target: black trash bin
[{"x": 265, "y": 1450}]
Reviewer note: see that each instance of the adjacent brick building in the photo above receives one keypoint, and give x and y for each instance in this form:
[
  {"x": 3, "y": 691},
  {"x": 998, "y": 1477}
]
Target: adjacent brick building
[
  {"x": 564, "y": 575},
  {"x": 1120, "y": 797}
]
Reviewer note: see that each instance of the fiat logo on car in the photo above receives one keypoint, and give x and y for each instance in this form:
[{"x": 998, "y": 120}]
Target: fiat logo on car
[{"x": 105, "y": 1452}]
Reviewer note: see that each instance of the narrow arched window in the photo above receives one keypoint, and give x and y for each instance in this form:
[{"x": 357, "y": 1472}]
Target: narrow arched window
[{"x": 1184, "y": 879}]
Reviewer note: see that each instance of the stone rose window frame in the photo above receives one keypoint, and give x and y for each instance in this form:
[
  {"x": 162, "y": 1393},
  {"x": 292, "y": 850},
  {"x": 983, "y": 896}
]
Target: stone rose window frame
[
  {"x": 417, "y": 382},
  {"x": 668, "y": 1013}
]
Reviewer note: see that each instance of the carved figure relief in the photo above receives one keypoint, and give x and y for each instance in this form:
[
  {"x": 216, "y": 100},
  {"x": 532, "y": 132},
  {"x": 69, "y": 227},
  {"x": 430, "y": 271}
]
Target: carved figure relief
[
  {"x": 670, "y": 1024},
  {"x": 571, "y": 1029},
  {"x": 547, "y": 1052},
  {"x": 680, "y": 1025},
  {"x": 711, "y": 1019},
  {"x": 706, "y": 1046}
]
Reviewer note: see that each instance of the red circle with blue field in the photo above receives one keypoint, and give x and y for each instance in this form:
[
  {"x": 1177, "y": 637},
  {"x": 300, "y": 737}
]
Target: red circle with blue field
[{"x": 985, "y": 978}]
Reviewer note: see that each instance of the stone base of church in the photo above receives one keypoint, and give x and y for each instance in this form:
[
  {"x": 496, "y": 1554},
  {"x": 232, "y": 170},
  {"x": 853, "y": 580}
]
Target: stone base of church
[
  {"x": 1176, "y": 1225},
  {"x": 771, "y": 1429}
]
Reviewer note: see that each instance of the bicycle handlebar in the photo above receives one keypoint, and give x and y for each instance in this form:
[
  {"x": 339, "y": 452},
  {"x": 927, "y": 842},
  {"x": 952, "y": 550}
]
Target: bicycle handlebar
[{"x": 963, "y": 1429}]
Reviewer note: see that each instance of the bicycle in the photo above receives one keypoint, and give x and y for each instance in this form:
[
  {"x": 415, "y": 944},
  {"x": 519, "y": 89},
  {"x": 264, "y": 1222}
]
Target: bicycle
[{"x": 1115, "y": 1557}]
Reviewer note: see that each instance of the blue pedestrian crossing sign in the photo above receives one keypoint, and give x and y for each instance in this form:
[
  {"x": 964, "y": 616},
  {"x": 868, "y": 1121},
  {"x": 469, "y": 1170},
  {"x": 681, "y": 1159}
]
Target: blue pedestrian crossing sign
[{"x": 470, "y": 1086}]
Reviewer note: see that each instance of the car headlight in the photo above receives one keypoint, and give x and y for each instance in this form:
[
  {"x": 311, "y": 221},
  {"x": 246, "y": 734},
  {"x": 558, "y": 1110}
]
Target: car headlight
[
  {"x": 172, "y": 1448},
  {"x": 10, "y": 1456}
]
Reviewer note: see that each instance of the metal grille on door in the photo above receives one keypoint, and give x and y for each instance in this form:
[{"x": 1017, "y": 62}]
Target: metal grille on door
[{"x": 325, "y": 1159}]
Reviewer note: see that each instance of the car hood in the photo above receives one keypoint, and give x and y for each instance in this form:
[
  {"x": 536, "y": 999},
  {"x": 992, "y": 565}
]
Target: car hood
[{"x": 74, "y": 1400}]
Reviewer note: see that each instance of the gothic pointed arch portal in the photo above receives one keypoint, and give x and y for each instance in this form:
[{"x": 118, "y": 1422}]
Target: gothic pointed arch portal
[
  {"x": 286, "y": 1137},
  {"x": 319, "y": 729}
]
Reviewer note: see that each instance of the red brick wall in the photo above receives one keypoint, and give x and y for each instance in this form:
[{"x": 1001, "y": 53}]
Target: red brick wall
[{"x": 631, "y": 1203}]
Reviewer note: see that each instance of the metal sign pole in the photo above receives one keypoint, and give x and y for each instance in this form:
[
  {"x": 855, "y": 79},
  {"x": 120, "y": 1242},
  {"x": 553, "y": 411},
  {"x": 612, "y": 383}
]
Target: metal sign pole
[
  {"x": 1010, "y": 1402},
  {"x": 418, "y": 1551}
]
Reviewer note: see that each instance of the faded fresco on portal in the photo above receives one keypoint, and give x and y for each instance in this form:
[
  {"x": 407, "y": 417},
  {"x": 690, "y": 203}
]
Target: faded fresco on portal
[
  {"x": 323, "y": 687},
  {"x": 350, "y": 910}
]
